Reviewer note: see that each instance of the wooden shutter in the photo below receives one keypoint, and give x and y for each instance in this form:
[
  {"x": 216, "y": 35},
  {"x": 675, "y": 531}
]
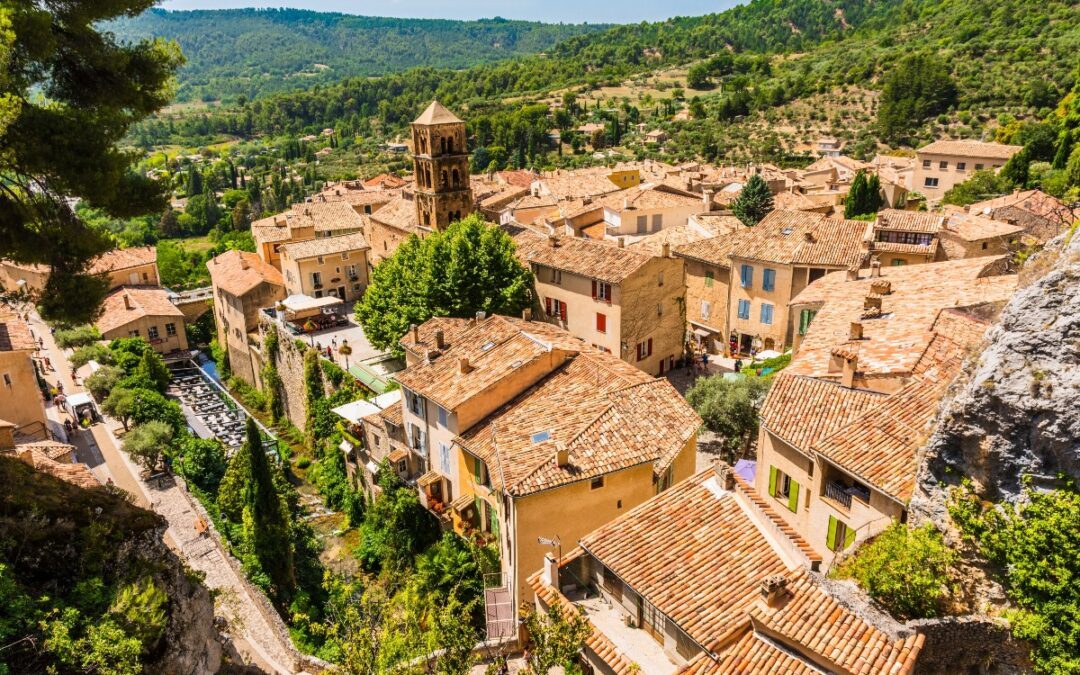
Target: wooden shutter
[
  {"x": 547, "y": 303},
  {"x": 830, "y": 538},
  {"x": 650, "y": 347},
  {"x": 772, "y": 481},
  {"x": 562, "y": 310},
  {"x": 849, "y": 537},
  {"x": 601, "y": 322},
  {"x": 793, "y": 496},
  {"x": 476, "y": 470},
  {"x": 594, "y": 289}
]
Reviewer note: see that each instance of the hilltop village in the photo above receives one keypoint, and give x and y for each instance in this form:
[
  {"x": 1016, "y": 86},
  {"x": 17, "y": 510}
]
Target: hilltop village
[{"x": 566, "y": 439}]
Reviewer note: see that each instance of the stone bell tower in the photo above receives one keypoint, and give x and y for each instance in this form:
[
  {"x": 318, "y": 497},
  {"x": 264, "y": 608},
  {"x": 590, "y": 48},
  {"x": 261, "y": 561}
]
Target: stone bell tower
[{"x": 441, "y": 167}]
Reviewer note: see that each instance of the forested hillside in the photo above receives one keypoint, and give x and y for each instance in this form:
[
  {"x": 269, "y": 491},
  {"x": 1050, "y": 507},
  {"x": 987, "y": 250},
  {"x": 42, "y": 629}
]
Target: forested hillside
[{"x": 258, "y": 51}]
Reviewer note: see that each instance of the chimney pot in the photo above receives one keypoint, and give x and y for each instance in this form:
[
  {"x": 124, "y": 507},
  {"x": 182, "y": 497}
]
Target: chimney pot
[
  {"x": 415, "y": 333},
  {"x": 553, "y": 241},
  {"x": 127, "y": 301},
  {"x": 526, "y": 314},
  {"x": 562, "y": 455},
  {"x": 551, "y": 570},
  {"x": 856, "y": 330},
  {"x": 875, "y": 268},
  {"x": 463, "y": 366},
  {"x": 480, "y": 316},
  {"x": 847, "y": 376},
  {"x": 440, "y": 342},
  {"x": 773, "y": 589},
  {"x": 665, "y": 250},
  {"x": 243, "y": 262},
  {"x": 853, "y": 274},
  {"x": 622, "y": 242}
]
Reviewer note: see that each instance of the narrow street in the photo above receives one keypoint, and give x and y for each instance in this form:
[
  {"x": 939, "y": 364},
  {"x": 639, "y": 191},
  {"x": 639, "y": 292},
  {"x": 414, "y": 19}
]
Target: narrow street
[{"x": 254, "y": 637}]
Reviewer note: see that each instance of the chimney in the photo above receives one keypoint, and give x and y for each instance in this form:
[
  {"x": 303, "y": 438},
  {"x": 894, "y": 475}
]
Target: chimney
[
  {"x": 551, "y": 571},
  {"x": 727, "y": 477},
  {"x": 853, "y": 274},
  {"x": 856, "y": 330},
  {"x": 847, "y": 375},
  {"x": 562, "y": 455},
  {"x": 553, "y": 241},
  {"x": 881, "y": 287},
  {"x": 480, "y": 316},
  {"x": 463, "y": 366},
  {"x": 871, "y": 306},
  {"x": 665, "y": 250},
  {"x": 875, "y": 268},
  {"x": 626, "y": 203},
  {"x": 440, "y": 342},
  {"x": 415, "y": 333},
  {"x": 808, "y": 236},
  {"x": 706, "y": 200},
  {"x": 622, "y": 242},
  {"x": 773, "y": 589},
  {"x": 127, "y": 301},
  {"x": 243, "y": 262},
  {"x": 526, "y": 314},
  {"x": 587, "y": 199}
]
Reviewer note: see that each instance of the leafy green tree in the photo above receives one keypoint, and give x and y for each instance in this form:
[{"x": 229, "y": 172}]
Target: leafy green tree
[
  {"x": 148, "y": 442},
  {"x": 119, "y": 404},
  {"x": 152, "y": 368},
  {"x": 149, "y": 405},
  {"x": 914, "y": 91},
  {"x": 904, "y": 568},
  {"x": 140, "y": 608},
  {"x": 230, "y": 496},
  {"x": 202, "y": 461},
  {"x": 469, "y": 267},
  {"x": 754, "y": 202},
  {"x": 729, "y": 408},
  {"x": 77, "y": 336},
  {"x": 127, "y": 352},
  {"x": 982, "y": 185},
  {"x": 87, "y": 353},
  {"x": 697, "y": 77},
  {"x": 102, "y": 382},
  {"x": 396, "y": 526},
  {"x": 70, "y": 92},
  {"x": 449, "y": 568},
  {"x": 266, "y": 518},
  {"x": 556, "y": 638}
]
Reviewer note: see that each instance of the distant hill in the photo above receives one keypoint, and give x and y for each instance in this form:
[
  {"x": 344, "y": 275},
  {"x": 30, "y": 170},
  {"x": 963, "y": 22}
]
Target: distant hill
[{"x": 258, "y": 51}]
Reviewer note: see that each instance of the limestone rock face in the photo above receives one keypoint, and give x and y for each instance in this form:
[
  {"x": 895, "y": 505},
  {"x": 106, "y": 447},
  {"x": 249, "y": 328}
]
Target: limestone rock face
[{"x": 1018, "y": 414}]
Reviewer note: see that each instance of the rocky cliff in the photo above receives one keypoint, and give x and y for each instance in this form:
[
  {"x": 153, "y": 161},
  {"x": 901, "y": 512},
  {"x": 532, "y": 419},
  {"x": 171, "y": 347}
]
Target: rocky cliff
[{"x": 1017, "y": 416}]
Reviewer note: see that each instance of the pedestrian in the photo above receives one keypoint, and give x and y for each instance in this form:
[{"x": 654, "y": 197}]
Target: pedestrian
[
  {"x": 738, "y": 365},
  {"x": 48, "y": 366},
  {"x": 705, "y": 362},
  {"x": 41, "y": 343}
]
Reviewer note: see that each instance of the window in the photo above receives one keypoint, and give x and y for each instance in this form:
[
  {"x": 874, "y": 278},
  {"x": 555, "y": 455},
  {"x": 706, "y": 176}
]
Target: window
[
  {"x": 316, "y": 279},
  {"x": 840, "y": 536},
  {"x": 601, "y": 291},
  {"x": 784, "y": 489},
  {"x": 556, "y": 309},
  {"x": 943, "y": 165},
  {"x": 345, "y": 255},
  {"x": 766, "y": 313},
  {"x": 659, "y": 309},
  {"x": 415, "y": 404},
  {"x": 805, "y": 317},
  {"x": 601, "y": 323},
  {"x": 960, "y": 166},
  {"x": 746, "y": 276},
  {"x": 133, "y": 333},
  {"x": 443, "y": 415},
  {"x": 7, "y": 379},
  {"x": 152, "y": 332},
  {"x": 978, "y": 167},
  {"x": 660, "y": 279},
  {"x": 376, "y": 440},
  {"x": 985, "y": 245},
  {"x": 170, "y": 329},
  {"x": 657, "y": 222},
  {"x": 479, "y": 472},
  {"x": 898, "y": 262},
  {"x": 444, "y": 458},
  {"x": 768, "y": 280},
  {"x": 596, "y": 483},
  {"x": 320, "y": 259},
  {"x": 541, "y": 436},
  {"x": 930, "y": 182},
  {"x": 642, "y": 224},
  {"x": 708, "y": 279},
  {"x": 644, "y": 349},
  {"x": 744, "y": 309},
  {"x": 926, "y": 164},
  {"x": 706, "y": 309},
  {"x": 556, "y": 276}
]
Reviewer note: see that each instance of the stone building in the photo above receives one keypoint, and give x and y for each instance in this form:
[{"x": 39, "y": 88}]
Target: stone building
[
  {"x": 20, "y": 397},
  {"x": 141, "y": 311},
  {"x": 441, "y": 167},
  {"x": 942, "y": 164},
  {"x": 243, "y": 285},
  {"x": 327, "y": 267}
]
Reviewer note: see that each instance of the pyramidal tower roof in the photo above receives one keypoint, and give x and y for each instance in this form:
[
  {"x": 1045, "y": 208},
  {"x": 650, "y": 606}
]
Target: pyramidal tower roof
[{"x": 437, "y": 113}]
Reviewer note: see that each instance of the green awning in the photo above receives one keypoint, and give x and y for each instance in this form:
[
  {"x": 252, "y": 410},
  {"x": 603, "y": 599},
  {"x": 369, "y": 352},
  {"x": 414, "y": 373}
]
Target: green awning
[{"x": 368, "y": 378}]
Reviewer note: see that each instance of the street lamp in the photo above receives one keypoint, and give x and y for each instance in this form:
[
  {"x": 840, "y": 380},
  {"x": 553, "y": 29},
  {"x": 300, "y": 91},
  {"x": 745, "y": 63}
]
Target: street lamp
[{"x": 345, "y": 350}]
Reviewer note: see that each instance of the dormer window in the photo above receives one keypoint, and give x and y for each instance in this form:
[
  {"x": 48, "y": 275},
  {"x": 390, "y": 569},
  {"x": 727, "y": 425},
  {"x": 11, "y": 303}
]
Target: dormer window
[{"x": 541, "y": 436}]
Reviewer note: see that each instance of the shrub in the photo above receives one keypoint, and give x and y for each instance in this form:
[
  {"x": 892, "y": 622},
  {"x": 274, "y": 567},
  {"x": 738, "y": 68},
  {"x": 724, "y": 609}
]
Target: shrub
[
  {"x": 729, "y": 407},
  {"x": 202, "y": 462},
  {"x": 79, "y": 336},
  {"x": 93, "y": 352},
  {"x": 147, "y": 443},
  {"x": 903, "y": 568},
  {"x": 103, "y": 381}
]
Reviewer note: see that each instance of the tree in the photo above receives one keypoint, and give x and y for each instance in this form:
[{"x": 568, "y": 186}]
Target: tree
[
  {"x": 556, "y": 637},
  {"x": 147, "y": 443},
  {"x": 149, "y": 405},
  {"x": 469, "y": 267},
  {"x": 102, "y": 382},
  {"x": 119, "y": 404},
  {"x": 982, "y": 185},
  {"x": 754, "y": 202},
  {"x": 92, "y": 352},
  {"x": 70, "y": 92},
  {"x": 729, "y": 408},
  {"x": 904, "y": 568},
  {"x": 396, "y": 526},
  {"x": 152, "y": 368},
  {"x": 202, "y": 461},
  {"x": 266, "y": 518},
  {"x": 919, "y": 88},
  {"x": 864, "y": 197},
  {"x": 77, "y": 336},
  {"x": 697, "y": 77}
]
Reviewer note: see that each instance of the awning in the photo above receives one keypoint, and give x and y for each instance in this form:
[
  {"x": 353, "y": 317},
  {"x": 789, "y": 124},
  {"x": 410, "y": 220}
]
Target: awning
[
  {"x": 368, "y": 378},
  {"x": 701, "y": 333},
  {"x": 372, "y": 467},
  {"x": 356, "y": 411},
  {"x": 300, "y": 303},
  {"x": 767, "y": 354},
  {"x": 346, "y": 447},
  {"x": 398, "y": 454},
  {"x": 429, "y": 478},
  {"x": 461, "y": 503}
]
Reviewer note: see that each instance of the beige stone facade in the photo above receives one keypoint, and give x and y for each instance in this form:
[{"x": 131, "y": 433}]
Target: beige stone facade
[
  {"x": 243, "y": 285},
  {"x": 327, "y": 267},
  {"x": 138, "y": 311},
  {"x": 20, "y": 397},
  {"x": 942, "y": 164}
]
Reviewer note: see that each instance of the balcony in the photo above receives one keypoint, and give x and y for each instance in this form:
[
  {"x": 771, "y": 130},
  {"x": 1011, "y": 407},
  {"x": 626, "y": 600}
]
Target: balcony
[{"x": 842, "y": 494}]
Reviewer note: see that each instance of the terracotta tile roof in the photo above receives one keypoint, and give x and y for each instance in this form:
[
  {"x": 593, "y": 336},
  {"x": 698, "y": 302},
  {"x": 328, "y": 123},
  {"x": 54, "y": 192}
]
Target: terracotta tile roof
[
  {"x": 588, "y": 257},
  {"x": 960, "y": 327},
  {"x": 917, "y": 249},
  {"x": 751, "y": 654},
  {"x": 782, "y": 237},
  {"x": 908, "y": 221},
  {"x": 1035, "y": 202},
  {"x": 53, "y": 450},
  {"x": 519, "y": 178},
  {"x": 141, "y": 302},
  {"x": 386, "y": 181},
  {"x": 880, "y": 446},
  {"x": 452, "y": 329},
  {"x": 14, "y": 332},
  {"x": 271, "y": 229},
  {"x": 238, "y": 272},
  {"x": 970, "y": 227},
  {"x": 794, "y": 201},
  {"x": 325, "y": 246},
  {"x": 801, "y": 410},
  {"x": 123, "y": 258},
  {"x": 393, "y": 414},
  {"x": 324, "y": 216},
  {"x": 76, "y": 474},
  {"x": 894, "y": 340},
  {"x": 563, "y": 184},
  {"x": 399, "y": 213},
  {"x": 649, "y": 196},
  {"x": 974, "y": 149},
  {"x": 812, "y": 619},
  {"x": 715, "y": 250},
  {"x": 696, "y": 552}
]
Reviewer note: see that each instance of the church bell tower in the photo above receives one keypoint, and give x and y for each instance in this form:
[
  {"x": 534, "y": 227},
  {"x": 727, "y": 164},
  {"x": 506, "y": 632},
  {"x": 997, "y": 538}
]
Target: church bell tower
[{"x": 441, "y": 166}]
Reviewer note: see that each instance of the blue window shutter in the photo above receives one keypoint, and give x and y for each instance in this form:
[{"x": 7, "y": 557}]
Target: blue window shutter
[
  {"x": 747, "y": 276},
  {"x": 768, "y": 281}
]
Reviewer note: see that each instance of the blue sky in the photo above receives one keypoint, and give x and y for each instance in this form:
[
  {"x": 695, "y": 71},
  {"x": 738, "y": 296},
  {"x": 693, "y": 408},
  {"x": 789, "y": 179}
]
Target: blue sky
[{"x": 574, "y": 11}]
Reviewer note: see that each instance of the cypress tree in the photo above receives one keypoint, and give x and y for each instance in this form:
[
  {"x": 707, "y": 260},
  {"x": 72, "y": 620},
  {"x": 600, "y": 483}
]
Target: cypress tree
[
  {"x": 754, "y": 202},
  {"x": 855, "y": 203},
  {"x": 266, "y": 519}
]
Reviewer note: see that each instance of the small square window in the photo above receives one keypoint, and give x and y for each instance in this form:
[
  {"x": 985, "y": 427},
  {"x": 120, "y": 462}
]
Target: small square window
[
  {"x": 926, "y": 164},
  {"x": 597, "y": 483},
  {"x": 943, "y": 165},
  {"x": 152, "y": 332},
  {"x": 960, "y": 166},
  {"x": 170, "y": 329}
]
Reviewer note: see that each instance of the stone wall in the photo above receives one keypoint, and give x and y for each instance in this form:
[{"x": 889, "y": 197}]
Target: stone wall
[
  {"x": 290, "y": 367},
  {"x": 971, "y": 645}
]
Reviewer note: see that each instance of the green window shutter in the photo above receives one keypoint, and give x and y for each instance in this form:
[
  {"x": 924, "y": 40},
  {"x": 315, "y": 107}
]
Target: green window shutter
[
  {"x": 476, "y": 469},
  {"x": 849, "y": 537},
  {"x": 772, "y": 481},
  {"x": 494, "y": 520},
  {"x": 830, "y": 538},
  {"x": 793, "y": 497}
]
